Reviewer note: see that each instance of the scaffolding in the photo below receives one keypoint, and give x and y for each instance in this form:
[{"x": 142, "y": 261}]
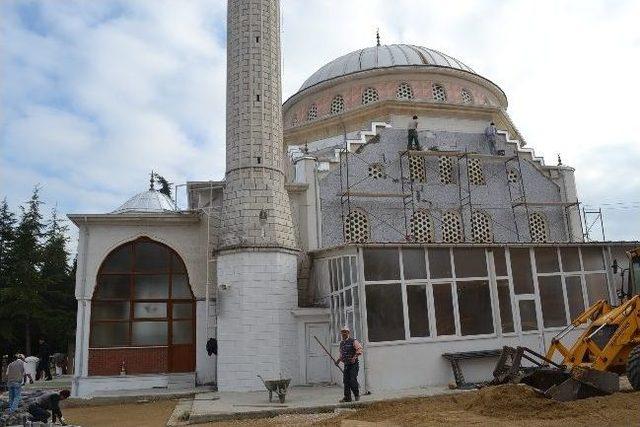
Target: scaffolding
[{"x": 467, "y": 206}]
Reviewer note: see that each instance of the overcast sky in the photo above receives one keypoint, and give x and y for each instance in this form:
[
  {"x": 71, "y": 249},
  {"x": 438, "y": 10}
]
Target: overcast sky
[{"x": 95, "y": 94}]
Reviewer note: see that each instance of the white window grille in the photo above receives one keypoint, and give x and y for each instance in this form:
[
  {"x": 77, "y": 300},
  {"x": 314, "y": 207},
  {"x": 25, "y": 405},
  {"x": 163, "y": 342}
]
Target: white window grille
[
  {"x": 356, "y": 227},
  {"x": 312, "y": 114},
  {"x": 422, "y": 227},
  {"x": 476, "y": 175},
  {"x": 466, "y": 97},
  {"x": 337, "y": 104},
  {"x": 513, "y": 176},
  {"x": 481, "y": 227},
  {"x": 538, "y": 228},
  {"x": 369, "y": 95},
  {"x": 451, "y": 227},
  {"x": 376, "y": 171},
  {"x": 404, "y": 91},
  {"x": 416, "y": 169},
  {"x": 445, "y": 167},
  {"x": 439, "y": 93}
]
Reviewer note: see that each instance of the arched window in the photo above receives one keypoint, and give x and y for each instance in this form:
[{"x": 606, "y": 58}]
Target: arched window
[
  {"x": 451, "y": 227},
  {"x": 369, "y": 95},
  {"x": 404, "y": 91},
  {"x": 466, "y": 96},
  {"x": 476, "y": 175},
  {"x": 312, "y": 114},
  {"x": 538, "y": 228},
  {"x": 337, "y": 105},
  {"x": 481, "y": 227},
  {"x": 439, "y": 94},
  {"x": 445, "y": 169},
  {"x": 417, "y": 171},
  {"x": 356, "y": 227},
  {"x": 422, "y": 227},
  {"x": 143, "y": 299}
]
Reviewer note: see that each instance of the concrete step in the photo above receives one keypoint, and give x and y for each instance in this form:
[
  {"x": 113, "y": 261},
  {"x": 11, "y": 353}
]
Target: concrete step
[{"x": 181, "y": 381}]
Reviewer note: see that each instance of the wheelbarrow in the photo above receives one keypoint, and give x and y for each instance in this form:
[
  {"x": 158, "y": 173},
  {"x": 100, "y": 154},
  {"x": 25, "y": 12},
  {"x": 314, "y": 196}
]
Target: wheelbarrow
[{"x": 276, "y": 386}]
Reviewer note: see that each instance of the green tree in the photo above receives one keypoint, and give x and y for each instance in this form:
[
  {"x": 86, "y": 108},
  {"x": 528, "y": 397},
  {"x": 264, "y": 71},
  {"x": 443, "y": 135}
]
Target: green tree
[
  {"x": 22, "y": 301},
  {"x": 7, "y": 239}
]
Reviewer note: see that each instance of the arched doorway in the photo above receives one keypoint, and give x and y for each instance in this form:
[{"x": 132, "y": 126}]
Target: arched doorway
[{"x": 142, "y": 312}]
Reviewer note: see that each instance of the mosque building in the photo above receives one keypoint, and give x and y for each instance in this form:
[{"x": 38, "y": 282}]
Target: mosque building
[{"x": 324, "y": 219}]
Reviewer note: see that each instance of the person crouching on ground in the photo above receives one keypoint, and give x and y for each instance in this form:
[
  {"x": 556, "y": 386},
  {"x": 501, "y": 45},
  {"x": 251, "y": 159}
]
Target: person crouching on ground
[
  {"x": 15, "y": 374},
  {"x": 412, "y": 135},
  {"x": 350, "y": 350},
  {"x": 40, "y": 408}
]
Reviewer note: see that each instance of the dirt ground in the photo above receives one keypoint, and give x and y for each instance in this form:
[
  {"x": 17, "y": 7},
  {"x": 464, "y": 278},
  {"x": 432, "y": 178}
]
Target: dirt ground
[{"x": 508, "y": 405}]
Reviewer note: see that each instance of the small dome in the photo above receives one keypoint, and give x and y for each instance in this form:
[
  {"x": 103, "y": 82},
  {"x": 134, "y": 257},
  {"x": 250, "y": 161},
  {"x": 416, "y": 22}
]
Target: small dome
[
  {"x": 150, "y": 201},
  {"x": 395, "y": 55}
]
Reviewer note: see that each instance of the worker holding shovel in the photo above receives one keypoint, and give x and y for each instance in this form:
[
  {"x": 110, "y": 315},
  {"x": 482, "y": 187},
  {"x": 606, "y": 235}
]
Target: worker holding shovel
[{"x": 350, "y": 350}]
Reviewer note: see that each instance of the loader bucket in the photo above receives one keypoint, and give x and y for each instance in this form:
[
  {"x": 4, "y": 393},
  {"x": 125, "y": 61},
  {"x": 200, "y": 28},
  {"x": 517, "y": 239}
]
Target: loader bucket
[{"x": 553, "y": 380}]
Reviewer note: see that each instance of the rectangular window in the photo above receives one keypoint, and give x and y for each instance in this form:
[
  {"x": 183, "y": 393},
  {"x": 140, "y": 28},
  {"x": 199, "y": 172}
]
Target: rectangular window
[
  {"x": 182, "y": 332},
  {"x": 470, "y": 262},
  {"x": 413, "y": 264},
  {"x": 346, "y": 271},
  {"x": 547, "y": 260},
  {"x": 418, "y": 316},
  {"x": 439, "y": 263},
  {"x": 339, "y": 277},
  {"x": 347, "y": 298},
  {"x": 112, "y": 310},
  {"x": 592, "y": 259},
  {"x": 552, "y": 301},
  {"x": 332, "y": 275},
  {"x": 528, "y": 316},
  {"x": 152, "y": 287},
  {"x": 504, "y": 300},
  {"x": 385, "y": 318},
  {"x": 113, "y": 286},
  {"x": 381, "y": 264},
  {"x": 149, "y": 333},
  {"x": 182, "y": 311},
  {"x": 574, "y": 296},
  {"x": 180, "y": 287},
  {"x": 354, "y": 270},
  {"x": 149, "y": 310},
  {"x": 500, "y": 262},
  {"x": 570, "y": 259},
  {"x": 474, "y": 305},
  {"x": 521, "y": 270},
  {"x": 596, "y": 287},
  {"x": 112, "y": 334},
  {"x": 443, "y": 306}
]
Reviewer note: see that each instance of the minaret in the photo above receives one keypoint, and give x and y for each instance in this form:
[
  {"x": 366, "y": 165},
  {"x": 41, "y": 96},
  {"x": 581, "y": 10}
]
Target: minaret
[{"x": 257, "y": 258}]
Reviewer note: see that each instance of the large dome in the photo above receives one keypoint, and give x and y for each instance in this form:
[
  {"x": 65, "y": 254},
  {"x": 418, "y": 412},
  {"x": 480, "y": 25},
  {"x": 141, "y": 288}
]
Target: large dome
[{"x": 385, "y": 56}]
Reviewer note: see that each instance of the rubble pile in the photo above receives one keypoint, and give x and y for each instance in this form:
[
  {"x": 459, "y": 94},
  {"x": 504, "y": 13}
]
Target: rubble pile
[{"x": 21, "y": 415}]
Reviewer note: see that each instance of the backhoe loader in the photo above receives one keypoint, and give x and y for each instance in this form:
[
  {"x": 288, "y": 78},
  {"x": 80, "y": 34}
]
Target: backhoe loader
[{"x": 590, "y": 366}]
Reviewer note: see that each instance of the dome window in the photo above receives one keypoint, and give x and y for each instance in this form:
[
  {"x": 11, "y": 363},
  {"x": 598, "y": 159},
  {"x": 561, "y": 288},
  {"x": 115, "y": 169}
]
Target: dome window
[
  {"x": 476, "y": 175},
  {"x": 513, "y": 176},
  {"x": 422, "y": 227},
  {"x": 538, "y": 228},
  {"x": 451, "y": 227},
  {"x": 439, "y": 93},
  {"x": 466, "y": 97},
  {"x": 376, "y": 171},
  {"x": 337, "y": 105},
  {"x": 445, "y": 169},
  {"x": 356, "y": 227},
  {"x": 312, "y": 114},
  {"x": 404, "y": 91},
  {"x": 370, "y": 95},
  {"x": 481, "y": 227},
  {"x": 417, "y": 172}
]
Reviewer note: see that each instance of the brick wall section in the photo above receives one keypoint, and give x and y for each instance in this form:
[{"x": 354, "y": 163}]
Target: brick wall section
[{"x": 108, "y": 361}]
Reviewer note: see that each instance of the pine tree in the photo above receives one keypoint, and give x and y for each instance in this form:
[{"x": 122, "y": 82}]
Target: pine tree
[
  {"x": 22, "y": 301},
  {"x": 59, "y": 285},
  {"x": 7, "y": 239}
]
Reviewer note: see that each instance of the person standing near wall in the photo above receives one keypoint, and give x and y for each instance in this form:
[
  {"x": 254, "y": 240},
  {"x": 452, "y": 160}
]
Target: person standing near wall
[
  {"x": 350, "y": 350},
  {"x": 412, "y": 135},
  {"x": 490, "y": 133},
  {"x": 15, "y": 375},
  {"x": 43, "y": 363}
]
